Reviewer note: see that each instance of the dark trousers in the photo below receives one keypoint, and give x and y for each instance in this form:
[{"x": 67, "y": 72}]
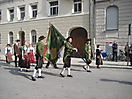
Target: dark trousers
[
  {"x": 19, "y": 62},
  {"x": 114, "y": 56},
  {"x": 68, "y": 62},
  {"x": 131, "y": 59},
  {"x": 39, "y": 62},
  {"x": 47, "y": 65}
]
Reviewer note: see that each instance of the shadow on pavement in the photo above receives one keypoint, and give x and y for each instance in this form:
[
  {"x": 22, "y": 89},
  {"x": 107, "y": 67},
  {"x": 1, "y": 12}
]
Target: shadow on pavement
[{"x": 122, "y": 82}]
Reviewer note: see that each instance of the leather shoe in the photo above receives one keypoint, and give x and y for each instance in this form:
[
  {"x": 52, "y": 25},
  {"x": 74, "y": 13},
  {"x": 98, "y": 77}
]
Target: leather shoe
[
  {"x": 33, "y": 78},
  {"x": 88, "y": 70},
  {"x": 40, "y": 76},
  {"x": 69, "y": 76},
  {"x": 62, "y": 75},
  {"x": 55, "y": 67}
]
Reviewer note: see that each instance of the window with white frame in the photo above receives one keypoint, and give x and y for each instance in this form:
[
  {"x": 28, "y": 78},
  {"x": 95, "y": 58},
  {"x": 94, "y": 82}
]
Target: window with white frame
[
  {"x": 0, "y": 38},
  {"x": 0, "y": 15},
  {"x": 54, "y": 8},
  {"x": 77, "y": 6},
  {"x": 11, "y": 38},
  {"x": 112, "y": 18},
  {"x": 11, "y": 14},
  {"x": 34, "y": 11},
  {"x": 33, "y": 36},
  {"x": 22, "y": 13}
]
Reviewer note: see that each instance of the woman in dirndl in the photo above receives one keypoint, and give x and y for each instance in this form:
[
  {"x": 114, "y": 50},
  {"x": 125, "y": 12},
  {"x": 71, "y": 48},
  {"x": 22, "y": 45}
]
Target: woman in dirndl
[
  {"x": 25, "y": 60},
  {"x": 98, "y": 56},
  {"x": 31, "y": 54},
  {"x": 8, "y": 54}
]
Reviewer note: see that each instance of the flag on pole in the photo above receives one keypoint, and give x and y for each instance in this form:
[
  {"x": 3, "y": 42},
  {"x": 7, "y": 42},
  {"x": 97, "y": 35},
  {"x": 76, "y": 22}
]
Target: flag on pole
[{"x": 55, "y": 42}]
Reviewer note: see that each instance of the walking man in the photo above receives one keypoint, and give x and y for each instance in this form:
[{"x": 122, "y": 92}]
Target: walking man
[
  {"x": 88, "y": 54},
  {"x": 39, "y": 57}
]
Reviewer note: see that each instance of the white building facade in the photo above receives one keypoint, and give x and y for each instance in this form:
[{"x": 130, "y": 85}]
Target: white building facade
[{"x": 101, "y": 20}]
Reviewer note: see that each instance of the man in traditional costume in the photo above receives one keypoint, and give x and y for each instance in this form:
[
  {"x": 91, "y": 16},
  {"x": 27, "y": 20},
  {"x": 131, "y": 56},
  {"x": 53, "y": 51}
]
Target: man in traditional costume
[
  {"x": 67, "y": 56},
  {"x": 88, "y": 54},
  {"x": 17, "y": 52},
  {"x": 39, "y": 57}
]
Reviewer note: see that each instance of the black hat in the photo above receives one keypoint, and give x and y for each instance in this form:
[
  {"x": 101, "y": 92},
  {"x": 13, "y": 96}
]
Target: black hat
[
  {"x": 17, "y": 40},
  {"x": 88, "y": 40},
  {"x": 41, "y": 37}
]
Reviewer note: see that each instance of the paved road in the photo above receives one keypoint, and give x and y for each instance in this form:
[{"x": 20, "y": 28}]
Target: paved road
[{"x": 104, "y": 83}]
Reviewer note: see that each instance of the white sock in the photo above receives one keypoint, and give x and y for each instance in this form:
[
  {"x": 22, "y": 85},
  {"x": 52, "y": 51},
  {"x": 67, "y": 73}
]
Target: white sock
[
  {"x": 39, "y": 72},
  {"x": 63, "y": 70},
  {"x": 88, "y": 68},
  {"x": 34, "y": 73},
  {"x": 68, "y": 71}
]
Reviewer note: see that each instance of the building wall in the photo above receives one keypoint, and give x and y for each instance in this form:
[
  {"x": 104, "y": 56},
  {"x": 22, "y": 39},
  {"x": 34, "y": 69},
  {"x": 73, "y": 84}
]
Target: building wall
[
  {"x": 65, "y": 21},
  {"x": 125, "y": 17}
]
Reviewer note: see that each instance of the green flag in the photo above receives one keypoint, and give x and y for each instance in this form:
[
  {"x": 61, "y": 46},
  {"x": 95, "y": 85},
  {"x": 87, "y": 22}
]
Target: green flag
[{"x": 55, "y": 42}]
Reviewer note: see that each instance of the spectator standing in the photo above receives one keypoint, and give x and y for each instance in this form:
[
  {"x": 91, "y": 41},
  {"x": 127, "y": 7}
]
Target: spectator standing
[
  {"x": 130, "y": 54},
  {"x": 115, "y": 50},
  {"x": 99, "y": 60},
  {"x": 17, "y": 52},
  {"x": 8, "y": 54},
  {"x": 126, "y": 49},
  {"x": 25, "y": 59},
  {"x": 31, "y": 54}
]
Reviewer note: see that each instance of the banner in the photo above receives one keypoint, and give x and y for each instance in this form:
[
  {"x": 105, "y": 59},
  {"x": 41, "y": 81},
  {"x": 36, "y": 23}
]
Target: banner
[{"x": 55, "y": 42}]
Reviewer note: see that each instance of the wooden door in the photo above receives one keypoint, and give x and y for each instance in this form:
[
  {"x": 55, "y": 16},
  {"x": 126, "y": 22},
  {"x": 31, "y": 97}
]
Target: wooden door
[{"x": 79, "y": 39}]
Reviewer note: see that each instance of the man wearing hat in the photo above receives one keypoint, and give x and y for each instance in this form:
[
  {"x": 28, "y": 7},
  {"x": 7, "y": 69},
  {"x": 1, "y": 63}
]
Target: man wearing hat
[
  {"x": 17, "y": 52},
  {"x": 39, "y": 57},
  {"x": 88, "y": 54}
]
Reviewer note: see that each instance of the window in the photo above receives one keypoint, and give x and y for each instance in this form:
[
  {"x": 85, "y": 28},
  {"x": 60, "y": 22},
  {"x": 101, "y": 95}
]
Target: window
[
  {"x": 34, "y": 11},
  {"x": 22, "y": 13},
  {"x": 10, "y": 38},
  {"x": 33, "y": 36},
  {"x": 11, "y": 14},
  {"x": 0, "y": 38},
  {"x": 77, "y": 6},
  {"x": 0, "y": 15},
  {"x": 54, "y": 8},
  {"x": 112, "y": 18}
]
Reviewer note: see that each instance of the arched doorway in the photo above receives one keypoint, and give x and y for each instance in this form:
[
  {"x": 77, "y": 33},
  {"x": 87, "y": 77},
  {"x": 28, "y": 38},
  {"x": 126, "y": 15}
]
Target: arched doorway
[
  {"x": 79, "y": 38},
  {"x": 22, "y": 37}
]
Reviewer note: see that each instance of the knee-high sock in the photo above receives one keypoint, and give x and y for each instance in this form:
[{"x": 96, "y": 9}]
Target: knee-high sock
[
  {"x": 34, "y": 73},
  {"x": 88, "y": 68},
  {"x": 63, "y": 70},
  {"x": 68, "y": 71},
  {"x": 39, "y": 72}
]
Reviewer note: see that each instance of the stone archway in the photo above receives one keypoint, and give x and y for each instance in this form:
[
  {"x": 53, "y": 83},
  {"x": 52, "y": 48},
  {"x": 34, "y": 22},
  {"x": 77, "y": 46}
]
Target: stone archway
[{"x": 79, "y": 39}]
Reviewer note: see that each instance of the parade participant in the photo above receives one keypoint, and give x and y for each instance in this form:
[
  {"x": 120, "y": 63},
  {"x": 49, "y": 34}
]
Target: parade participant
[
  {"x": 98, "y": 56},
  {"x": 67, "y": 56},
  {"x": 17, "y": 52},
  {"x": 31, "y": 54},
  {"x": 25, "y": 60},
  {"x": 48, "y": 63},
  {"x": 8, "y": 54},
  {"x": 88, "y": 54},
  {"x": 39, "y": 57},
  {"x": 130, "y": 54},
  {"x": 55, "y": 65},
  {"x": 115, "y": 50}
]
